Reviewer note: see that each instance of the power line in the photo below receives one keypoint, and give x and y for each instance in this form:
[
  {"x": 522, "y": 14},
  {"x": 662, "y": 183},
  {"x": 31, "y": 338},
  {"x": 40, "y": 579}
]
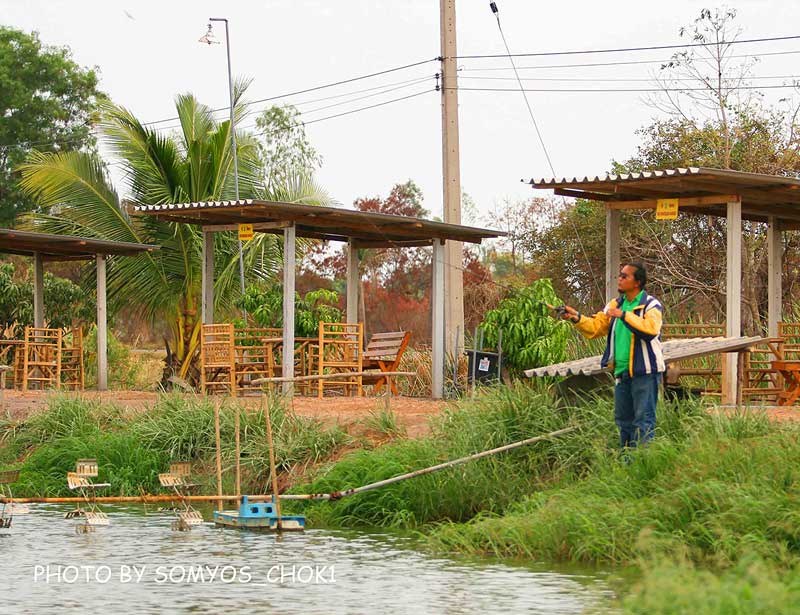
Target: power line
[
  {"x": 380, "y": 104},
  {"x": 618, "y": 79},
  {"x": 620, "y": 63},
  {"x": 494, "y": 9},
  {"x": 627, "y": 49},
  {"x": 383, "y": 90},
  {"x": 312, "y": 89},
  {"x": 605, "y": 90}
]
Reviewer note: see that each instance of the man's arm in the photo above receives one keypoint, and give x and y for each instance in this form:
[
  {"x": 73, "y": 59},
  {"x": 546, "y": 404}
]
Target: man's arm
[
  {"x": 648, "y": 326},
  {"x": 590, "y": 327}
]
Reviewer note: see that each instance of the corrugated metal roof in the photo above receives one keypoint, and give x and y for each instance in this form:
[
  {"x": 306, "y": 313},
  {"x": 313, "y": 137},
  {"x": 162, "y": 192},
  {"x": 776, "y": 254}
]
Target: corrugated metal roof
[
  {"x": 674, "y": 350},
  {"x": 65, "y": 247},
  {"x": 740, "y": 177},
  {"x": 370, "y": 229},
  {"x": 703, "y": 190}
]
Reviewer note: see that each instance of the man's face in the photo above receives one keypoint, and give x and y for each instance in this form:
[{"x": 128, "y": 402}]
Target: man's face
[{"x": 626, "y": 281}]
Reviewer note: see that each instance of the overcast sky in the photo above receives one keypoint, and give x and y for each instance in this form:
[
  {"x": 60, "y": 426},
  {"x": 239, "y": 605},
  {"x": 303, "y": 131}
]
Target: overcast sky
[{"x": 147, "y": 52}]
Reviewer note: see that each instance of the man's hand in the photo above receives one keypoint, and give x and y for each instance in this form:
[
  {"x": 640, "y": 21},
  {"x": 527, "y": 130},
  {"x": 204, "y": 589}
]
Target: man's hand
[
  {"x": 615, "y": 313},
  {"x": 570, "y": 314}
]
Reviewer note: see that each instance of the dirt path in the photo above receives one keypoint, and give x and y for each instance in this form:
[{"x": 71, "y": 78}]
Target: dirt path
[{"x": 412, "y": 413}]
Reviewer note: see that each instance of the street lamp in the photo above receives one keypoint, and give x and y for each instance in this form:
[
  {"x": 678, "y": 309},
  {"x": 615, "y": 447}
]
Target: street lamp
[{"x": 209, "y": 39}]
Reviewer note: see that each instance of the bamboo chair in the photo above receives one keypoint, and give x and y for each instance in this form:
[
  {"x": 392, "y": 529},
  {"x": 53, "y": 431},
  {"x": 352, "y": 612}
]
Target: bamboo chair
[
  {"x": 255, "y": 356},
  {"x": 7, "y": 509},
  {"x": 177, "y": 480},
  {"x": 41, "y": 358},
  {"x": 217, "y": 360},
  {"x": 81, "y": 480},
  {"x": 340, "y": 351},
  {"x": 704, "y": 370},
  {"x": 72, "y": 376}
]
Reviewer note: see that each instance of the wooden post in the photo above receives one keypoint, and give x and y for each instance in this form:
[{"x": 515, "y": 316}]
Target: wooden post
[
  {"x": 289, "y": 237},
  {"x": 437, "y": 319},
  {"x": 733, "y": 299},
  {"x": 612, "y": 252},
  {"x": 219, "y": 452},
  {"x": 102, "y": 325},
  {"x": 774, "y": 272},
  {"x": 207, "y": 278},
  {"x": 38, "y": 291},
  {"x": 353, "y": 279},
  {"x": 451, "y": 175}
]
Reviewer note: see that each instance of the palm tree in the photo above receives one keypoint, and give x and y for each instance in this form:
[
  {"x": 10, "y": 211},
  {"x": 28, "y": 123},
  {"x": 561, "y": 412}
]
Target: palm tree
[{"x": 75, "y": 194}]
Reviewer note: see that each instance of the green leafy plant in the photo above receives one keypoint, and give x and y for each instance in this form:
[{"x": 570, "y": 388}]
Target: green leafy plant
[
  {"x": 65, "y": 303},
  {"x": 266, "y": 307},
  {"x": 532, "y": 337}
]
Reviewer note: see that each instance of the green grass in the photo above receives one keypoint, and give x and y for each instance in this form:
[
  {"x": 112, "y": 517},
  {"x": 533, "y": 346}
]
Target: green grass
[
  {"x": 752, "y": 587},
  {"x": 132, "y": 450},
  {"x": 499, "y": 416},
  {"x": 729, "y": 489}
]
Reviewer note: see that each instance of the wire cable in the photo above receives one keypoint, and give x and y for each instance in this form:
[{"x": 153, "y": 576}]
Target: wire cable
[
  {"x": 620, "y": 63},
  {"x": 496, "y": 12},
  {"x": 627, "y": 49},
  {"x": 313, "y": 89}
]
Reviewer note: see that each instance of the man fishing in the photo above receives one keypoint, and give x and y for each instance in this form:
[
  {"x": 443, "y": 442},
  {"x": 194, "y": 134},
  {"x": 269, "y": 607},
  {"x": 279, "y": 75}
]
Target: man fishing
[{"x": 632, "y": 324}]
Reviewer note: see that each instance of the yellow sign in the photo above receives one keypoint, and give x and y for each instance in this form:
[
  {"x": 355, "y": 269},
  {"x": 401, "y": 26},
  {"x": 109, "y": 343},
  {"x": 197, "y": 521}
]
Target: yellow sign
[
  {"x": 245, "y": 232},
  {"x": 666, "y": 209}
]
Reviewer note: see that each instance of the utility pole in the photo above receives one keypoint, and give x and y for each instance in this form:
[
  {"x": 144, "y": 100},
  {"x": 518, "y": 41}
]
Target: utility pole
[{"x": 451, "y": 173}]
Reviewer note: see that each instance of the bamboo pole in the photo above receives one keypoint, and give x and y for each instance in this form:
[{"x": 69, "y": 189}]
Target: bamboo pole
[
  {"x": 272, "y": 470},
  {"x": 326, "y": 376},
  {"x": 238, "y": 457},
  {"x": 219, "y": 453}
]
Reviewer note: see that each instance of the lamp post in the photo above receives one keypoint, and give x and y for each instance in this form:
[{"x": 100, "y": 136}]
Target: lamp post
[{"x": 209, "y": 39}]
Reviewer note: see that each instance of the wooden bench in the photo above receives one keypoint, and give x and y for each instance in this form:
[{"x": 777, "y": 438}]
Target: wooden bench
[{"x": 384, "y": 352}]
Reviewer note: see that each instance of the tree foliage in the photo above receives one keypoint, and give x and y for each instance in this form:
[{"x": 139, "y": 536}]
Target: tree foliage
[
  {"x": 65, "y": 303},
  {"x": 532, "y": 337},
  {"x": 285, "y": 148},
  {"x": 196, "y": 164},
  {"x": 47, "y": 102},
  {"x": 265, "y": 305}
]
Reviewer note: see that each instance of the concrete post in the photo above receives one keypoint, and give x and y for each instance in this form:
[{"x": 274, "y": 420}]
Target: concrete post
[
  {"x": 289, "y": 241},
  {"x": 102, "y": 325}
]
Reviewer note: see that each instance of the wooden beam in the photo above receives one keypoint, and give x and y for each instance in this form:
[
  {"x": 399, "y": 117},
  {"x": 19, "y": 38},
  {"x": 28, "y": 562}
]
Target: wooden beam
[
  {"x": 38, "y": 291},
  {"x": 612, "y": 252},
  {"x": 289, "y": 265},
  {"x": 368, "y": 243},
  {"x": 733, "y": 299},
  {"x": 437, "y": 320},
  {"x": 774, "y": 274},
  {"x": 584, "y": 194},
  {"x": 207, "y": 278},
  {"x": 353, "y": 279},
  {"x": 102, "y": 325},
  {"x": 691, "y": 201},
  {"x": 257, "y": 226}
]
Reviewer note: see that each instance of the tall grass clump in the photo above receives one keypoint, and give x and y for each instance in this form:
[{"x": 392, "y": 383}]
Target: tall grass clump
[
  {"x": 498, "y": 416},
  {"x": 730, "y": 489},
  {"x": 752, "y": 587},
  {"x": 132, "y": 450},
  {"x": 123, "y": 462}
]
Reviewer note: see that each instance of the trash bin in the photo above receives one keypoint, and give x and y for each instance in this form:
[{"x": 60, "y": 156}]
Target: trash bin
[{"x": 485, "y": 369}]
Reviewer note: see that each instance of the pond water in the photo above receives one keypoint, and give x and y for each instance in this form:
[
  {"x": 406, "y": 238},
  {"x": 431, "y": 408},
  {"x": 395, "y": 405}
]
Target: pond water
[{"x": 138, "y": 563}]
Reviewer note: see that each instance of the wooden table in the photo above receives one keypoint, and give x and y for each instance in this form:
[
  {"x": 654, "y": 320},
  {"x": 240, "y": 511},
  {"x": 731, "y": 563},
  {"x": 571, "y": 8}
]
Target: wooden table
[{"x": 790, "y": 370}]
